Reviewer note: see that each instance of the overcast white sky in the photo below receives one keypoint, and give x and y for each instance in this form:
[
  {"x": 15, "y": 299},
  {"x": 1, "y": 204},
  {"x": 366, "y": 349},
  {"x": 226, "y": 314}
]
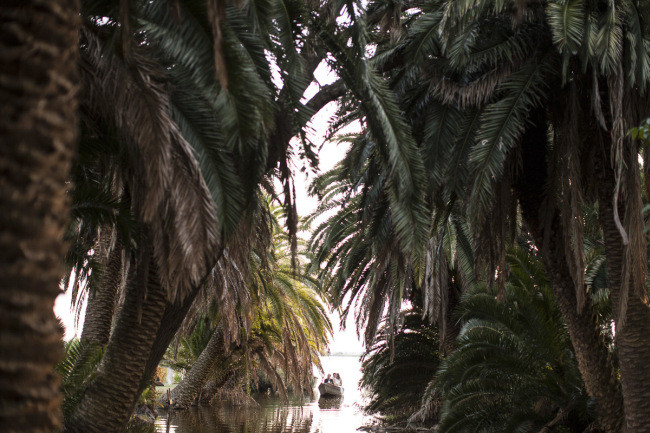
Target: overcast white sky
[{"x": 329, "y": 155}]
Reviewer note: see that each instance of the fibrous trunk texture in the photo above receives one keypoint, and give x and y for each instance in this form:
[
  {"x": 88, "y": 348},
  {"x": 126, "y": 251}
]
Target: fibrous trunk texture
[
  {"x": 38, "y": 123},
  {"x": 172, "y": 320},
  {"x": 109, "y": 401},
  {"x": 633, "y": 338},
  {"x": 542, "y": 217},
  {"x": 101, "y": 303},
  {"x": 452, "y": 324},
  {"x": 185, "y": 392}
]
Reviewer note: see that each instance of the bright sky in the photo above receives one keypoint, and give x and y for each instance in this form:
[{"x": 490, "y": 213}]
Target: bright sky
[{"x": 330, "y": 153}]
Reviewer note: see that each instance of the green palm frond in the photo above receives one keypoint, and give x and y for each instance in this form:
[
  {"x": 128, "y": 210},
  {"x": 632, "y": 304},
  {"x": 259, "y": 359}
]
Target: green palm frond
[
  {"x": 567, "y": 22},
  {"x": 608, "y": 43},
  {"x": 637, "y": 44},
  {"x": 77, "y": 369},
  {"x": 513, "y": 369},
  {"x": 502, "y": 124},
  {"x": 391, "y": 137}
]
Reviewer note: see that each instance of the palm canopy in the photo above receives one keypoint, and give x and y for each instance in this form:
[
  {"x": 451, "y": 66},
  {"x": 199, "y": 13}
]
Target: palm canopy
[
  {"x": 185, "y": 151},
  {"x": 397, "y": 368},
  {"x": 357, "y": 252},
  {"x": 364, "y": 265},
  {"x": 471, "y": 77}
]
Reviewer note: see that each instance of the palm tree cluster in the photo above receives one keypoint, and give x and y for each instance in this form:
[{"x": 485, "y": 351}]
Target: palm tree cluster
[
  {"x": 279, "y": 336},
  {"x": 513, "y": 367},
  {"x": 516, "y": 117},
  {"x": 175, "y": 152},
  {"x": 186, "y": 110},
  {"x": 481, "y": 121}
]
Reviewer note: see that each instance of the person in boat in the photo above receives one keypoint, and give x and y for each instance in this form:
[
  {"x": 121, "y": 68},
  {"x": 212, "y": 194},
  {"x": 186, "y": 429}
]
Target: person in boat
[
  {"x": 336, "y": 380},
  {"x": 328, "y": 379}
]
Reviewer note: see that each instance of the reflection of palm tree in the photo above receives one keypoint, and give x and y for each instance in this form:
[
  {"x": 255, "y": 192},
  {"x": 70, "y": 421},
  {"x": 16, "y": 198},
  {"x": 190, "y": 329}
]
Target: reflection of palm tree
[
  {"x": 330, "y": 402},
  {"x": 233, "y": 419}
]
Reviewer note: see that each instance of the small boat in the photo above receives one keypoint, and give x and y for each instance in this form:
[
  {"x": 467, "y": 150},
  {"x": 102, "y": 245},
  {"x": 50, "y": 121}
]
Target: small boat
[{"x": 330, "y": 390}]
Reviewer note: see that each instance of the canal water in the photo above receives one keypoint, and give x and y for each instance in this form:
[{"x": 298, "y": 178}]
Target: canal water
[{"x": 275, "y": 416}]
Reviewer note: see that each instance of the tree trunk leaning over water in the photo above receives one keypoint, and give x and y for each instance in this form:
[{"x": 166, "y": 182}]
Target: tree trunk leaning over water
[
  {"x": 171, "y": 321},
  {"x": 109, "y": 401},
  {"x": 184, "y": 394},
  {"x": 38, "y": 128}
]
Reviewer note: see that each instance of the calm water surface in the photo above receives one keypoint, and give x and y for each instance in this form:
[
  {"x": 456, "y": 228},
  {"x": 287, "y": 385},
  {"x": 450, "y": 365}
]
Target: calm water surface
[{"x": 274, "y": 416}]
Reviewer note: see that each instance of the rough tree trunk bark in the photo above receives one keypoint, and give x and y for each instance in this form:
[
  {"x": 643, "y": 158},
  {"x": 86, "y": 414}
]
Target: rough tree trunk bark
[
  {"x": 633, "y": 339},
  {"x": 594, "y": 360},
  {"x": 453, "y": 324},
  {"x": 101, "y": 303},
  {"x": 109, "y": 401},
  {"x": 185, "y": 392},
  {"x": 38, "y": 124},
  {"x": 172, "y": 320}
]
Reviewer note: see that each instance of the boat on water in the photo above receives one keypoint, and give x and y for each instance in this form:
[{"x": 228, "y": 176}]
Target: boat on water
[{"x": 330, "y": 390}]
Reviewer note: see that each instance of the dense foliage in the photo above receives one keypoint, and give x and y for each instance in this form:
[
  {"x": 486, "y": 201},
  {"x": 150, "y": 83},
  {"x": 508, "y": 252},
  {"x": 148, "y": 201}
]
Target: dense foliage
[
  {"x": 397, "y": 368},
  {"x": 514, "y": 368},
  {"x": 480, "y": 122}
]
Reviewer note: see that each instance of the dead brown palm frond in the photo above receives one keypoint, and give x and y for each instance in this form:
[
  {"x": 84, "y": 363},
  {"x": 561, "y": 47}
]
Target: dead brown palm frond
[
  {"x": 226, "y": 285},
  {"x": 167, "y": 189},
  {"x": 473, "y": 94}
]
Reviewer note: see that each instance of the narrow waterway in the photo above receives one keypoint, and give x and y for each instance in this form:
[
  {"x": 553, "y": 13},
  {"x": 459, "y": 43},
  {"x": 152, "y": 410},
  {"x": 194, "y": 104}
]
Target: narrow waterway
[{"x": 275, "y": 416}]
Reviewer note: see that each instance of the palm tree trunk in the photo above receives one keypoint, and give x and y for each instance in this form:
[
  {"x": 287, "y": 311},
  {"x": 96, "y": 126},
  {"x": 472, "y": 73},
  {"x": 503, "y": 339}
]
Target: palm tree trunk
[
  {"x": 109, "y": 401},
  {"x": 172, "y": 320},
  {"x": 593, "y": 358},
  {"x": 101, "y": 304},
  {"x": 452, "y": 323},
  {"x": 632, "y": 339},
  {"x": 38, "y": 123},
  {"x": 185, "y": 392}
]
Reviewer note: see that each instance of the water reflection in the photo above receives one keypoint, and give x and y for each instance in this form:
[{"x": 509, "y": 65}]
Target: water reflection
[
  {"x": 330, "y": 402},
  {"x": 324, "y": 415},
  {"x": 237, "y": 420}
]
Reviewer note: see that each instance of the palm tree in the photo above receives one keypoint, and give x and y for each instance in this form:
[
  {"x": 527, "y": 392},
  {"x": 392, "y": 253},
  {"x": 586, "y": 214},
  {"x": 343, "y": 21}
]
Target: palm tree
[
  {"x": 497, "y": 77},
  {"x": 195, "y": 151},
  {"x": 514, "y": 369},
  {"x": 360, "y": 262},
  {"x": 38, "y": 132}
]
